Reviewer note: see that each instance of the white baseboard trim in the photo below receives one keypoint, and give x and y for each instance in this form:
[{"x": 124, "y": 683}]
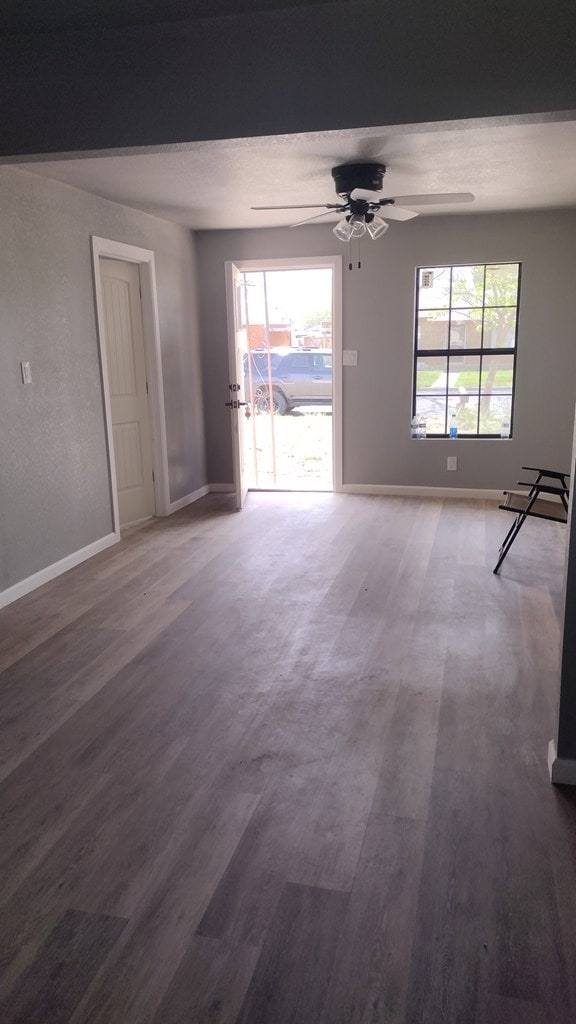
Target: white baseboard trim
[
  {"x": 402, "y": 491},
  {"x": 51, "y": 571},
  {"x": 222, "y": 488},
  {"x": 175, "y": 506},
  {"x": 562, "y": 769}
]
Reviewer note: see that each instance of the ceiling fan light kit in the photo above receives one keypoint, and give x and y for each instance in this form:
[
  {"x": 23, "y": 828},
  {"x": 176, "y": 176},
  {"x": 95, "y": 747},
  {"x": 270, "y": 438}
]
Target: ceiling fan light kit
[
  {"x": 356, "y": 225},
  {"x": 360, "y": 213}
]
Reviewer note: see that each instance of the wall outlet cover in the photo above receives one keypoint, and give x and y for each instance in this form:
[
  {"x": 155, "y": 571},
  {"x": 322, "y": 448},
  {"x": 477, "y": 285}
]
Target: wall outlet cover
[
  {"x": 452, "y": 462},
  {"x": 350, "y": 357}
]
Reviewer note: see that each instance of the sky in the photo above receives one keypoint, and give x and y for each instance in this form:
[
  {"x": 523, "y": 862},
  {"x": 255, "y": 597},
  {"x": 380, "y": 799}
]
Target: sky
[{"x": 292, "y": 294}]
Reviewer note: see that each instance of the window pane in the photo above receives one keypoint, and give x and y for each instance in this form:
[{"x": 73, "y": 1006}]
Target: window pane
[
  {"x": 466, "y": 409},
  {"x": 431, "y": 374},
  {"x": 464, "y": 376},
  {"x": 501, "y": 284},
  {"x": 499, "y": 327},
  {"x": 467, "y": 286},
  {"x": 433, "y": 410},
  {"x": 434, "y": 288},
  {"x": 431, "y": 383},
  {"x": 466, "y": 328},
  {"x": 432, "y": 330},
  {"x": 494, "y": 409},
  {"x": 497, "y": 374}
]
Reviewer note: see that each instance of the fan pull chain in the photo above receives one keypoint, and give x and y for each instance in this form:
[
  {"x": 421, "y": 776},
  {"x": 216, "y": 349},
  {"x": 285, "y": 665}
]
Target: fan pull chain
[{"x": 351, "y": 255}]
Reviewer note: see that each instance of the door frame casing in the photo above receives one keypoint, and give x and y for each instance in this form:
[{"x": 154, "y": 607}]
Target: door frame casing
[
  {"x": 237, "y": 433},
  {"x": 107, "y": 248},
  {"x": 333, "y": 263}
]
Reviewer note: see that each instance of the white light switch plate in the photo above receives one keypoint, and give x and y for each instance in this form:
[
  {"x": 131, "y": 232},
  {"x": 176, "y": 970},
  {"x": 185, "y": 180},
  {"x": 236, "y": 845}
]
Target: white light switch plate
[
  {"x": 452, "y": 462},
  {"x": 26, "y": 373},
  {"x": 350, "y": 357}
]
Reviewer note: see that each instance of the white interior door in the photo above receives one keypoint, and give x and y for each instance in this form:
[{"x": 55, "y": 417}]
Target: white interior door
[
  {"x": 238, "y": 346},
  {"x": 128, "y": 389}
]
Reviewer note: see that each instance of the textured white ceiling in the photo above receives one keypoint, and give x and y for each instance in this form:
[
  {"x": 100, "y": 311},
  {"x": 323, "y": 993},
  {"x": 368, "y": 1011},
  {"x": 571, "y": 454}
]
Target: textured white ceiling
[{"x": 520, "y": 166}]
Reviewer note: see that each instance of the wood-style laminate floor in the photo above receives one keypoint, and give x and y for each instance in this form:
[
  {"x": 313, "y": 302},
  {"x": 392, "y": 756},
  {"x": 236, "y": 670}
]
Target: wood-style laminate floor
[{"x": 289, "y": 766}]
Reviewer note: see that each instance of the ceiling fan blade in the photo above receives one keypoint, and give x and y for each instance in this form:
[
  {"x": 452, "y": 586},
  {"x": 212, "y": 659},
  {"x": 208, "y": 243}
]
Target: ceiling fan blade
[
  {"x": 306, "y": 206},
  {"x": 316, "y": 217},
  {"x": 434, "y": 199},
  {"x": 396, "y": 213}
]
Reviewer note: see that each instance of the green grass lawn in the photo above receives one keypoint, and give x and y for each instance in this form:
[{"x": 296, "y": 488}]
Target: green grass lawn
[
  {"x": 470, "y": 379},
  {"x": 426, "y": 378},
  {"x": 467, "y": 379}
]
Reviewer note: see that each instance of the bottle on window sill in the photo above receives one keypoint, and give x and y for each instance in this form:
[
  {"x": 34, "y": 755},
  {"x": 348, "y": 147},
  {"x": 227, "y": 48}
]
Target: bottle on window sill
[
  {"x": 453, "y": 426},
  {"x": 418, "y": 428}
]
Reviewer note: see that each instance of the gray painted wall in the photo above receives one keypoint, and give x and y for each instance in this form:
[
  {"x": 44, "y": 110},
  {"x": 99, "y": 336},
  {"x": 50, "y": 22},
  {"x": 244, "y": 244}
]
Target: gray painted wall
[
  {"x": 336, "y": 65},
  {"x": 54, "y": 491},
  {"x": 378, "y": 304}
]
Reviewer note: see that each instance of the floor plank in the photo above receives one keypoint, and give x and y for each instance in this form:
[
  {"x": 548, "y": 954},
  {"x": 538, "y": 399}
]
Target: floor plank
[
  {"x": 62, "y": 969},
  {"x": 210, "y": 984},
  {"x": 291, "y": 976}
]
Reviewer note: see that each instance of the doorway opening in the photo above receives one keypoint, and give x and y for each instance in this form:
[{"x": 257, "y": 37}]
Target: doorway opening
[{"x": 288, "y": 377}]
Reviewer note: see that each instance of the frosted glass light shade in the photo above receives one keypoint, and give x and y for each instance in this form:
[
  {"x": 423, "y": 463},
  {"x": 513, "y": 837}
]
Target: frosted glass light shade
[
  {"x": 343, "y": 230},
  {"x": 377, "y": 227},
  {"x": 358, "y": 225},
  {"x": 350, "y": 227}
]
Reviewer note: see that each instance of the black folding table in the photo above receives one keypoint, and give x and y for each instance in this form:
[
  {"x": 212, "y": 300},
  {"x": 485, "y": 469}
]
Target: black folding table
[{"x": 531, "y": 503}]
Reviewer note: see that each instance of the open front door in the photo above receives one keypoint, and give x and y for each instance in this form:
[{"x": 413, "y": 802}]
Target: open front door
[{"x": 237, "y": 346}]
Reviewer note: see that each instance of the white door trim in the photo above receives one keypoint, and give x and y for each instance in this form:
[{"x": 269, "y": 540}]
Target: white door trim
[
  {"x": 234, "y": 328},
  {"x": 109, "y": 249},
  {"x": 319, "y": 263}
]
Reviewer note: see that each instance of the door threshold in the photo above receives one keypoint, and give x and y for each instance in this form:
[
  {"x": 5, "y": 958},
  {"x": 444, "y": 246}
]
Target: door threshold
[
  {"x": 136, "y": 523},
  {"x": 293, "y": 490}
]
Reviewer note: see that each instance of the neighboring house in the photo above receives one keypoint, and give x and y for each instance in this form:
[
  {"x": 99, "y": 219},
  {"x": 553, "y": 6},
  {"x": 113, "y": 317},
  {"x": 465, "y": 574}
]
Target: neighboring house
[{"x": 278, "y": 335}]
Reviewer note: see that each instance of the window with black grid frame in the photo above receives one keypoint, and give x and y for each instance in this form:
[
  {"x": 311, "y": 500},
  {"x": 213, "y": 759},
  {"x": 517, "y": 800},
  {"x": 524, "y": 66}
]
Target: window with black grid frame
[{"x": 465, "y": 348}]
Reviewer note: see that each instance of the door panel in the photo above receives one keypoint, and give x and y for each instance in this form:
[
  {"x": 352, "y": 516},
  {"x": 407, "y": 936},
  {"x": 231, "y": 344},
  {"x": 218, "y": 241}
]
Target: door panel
[
  {"x": 128, "y": 389},
  {"x": 127, "y": 454}
]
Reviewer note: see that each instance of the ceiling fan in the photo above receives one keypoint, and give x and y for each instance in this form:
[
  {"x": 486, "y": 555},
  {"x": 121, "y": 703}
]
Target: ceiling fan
[{"x": 352, "y": 181}]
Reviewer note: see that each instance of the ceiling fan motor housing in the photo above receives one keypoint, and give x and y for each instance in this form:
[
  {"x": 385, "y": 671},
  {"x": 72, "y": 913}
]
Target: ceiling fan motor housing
[{"x": 347, "y": 177}]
